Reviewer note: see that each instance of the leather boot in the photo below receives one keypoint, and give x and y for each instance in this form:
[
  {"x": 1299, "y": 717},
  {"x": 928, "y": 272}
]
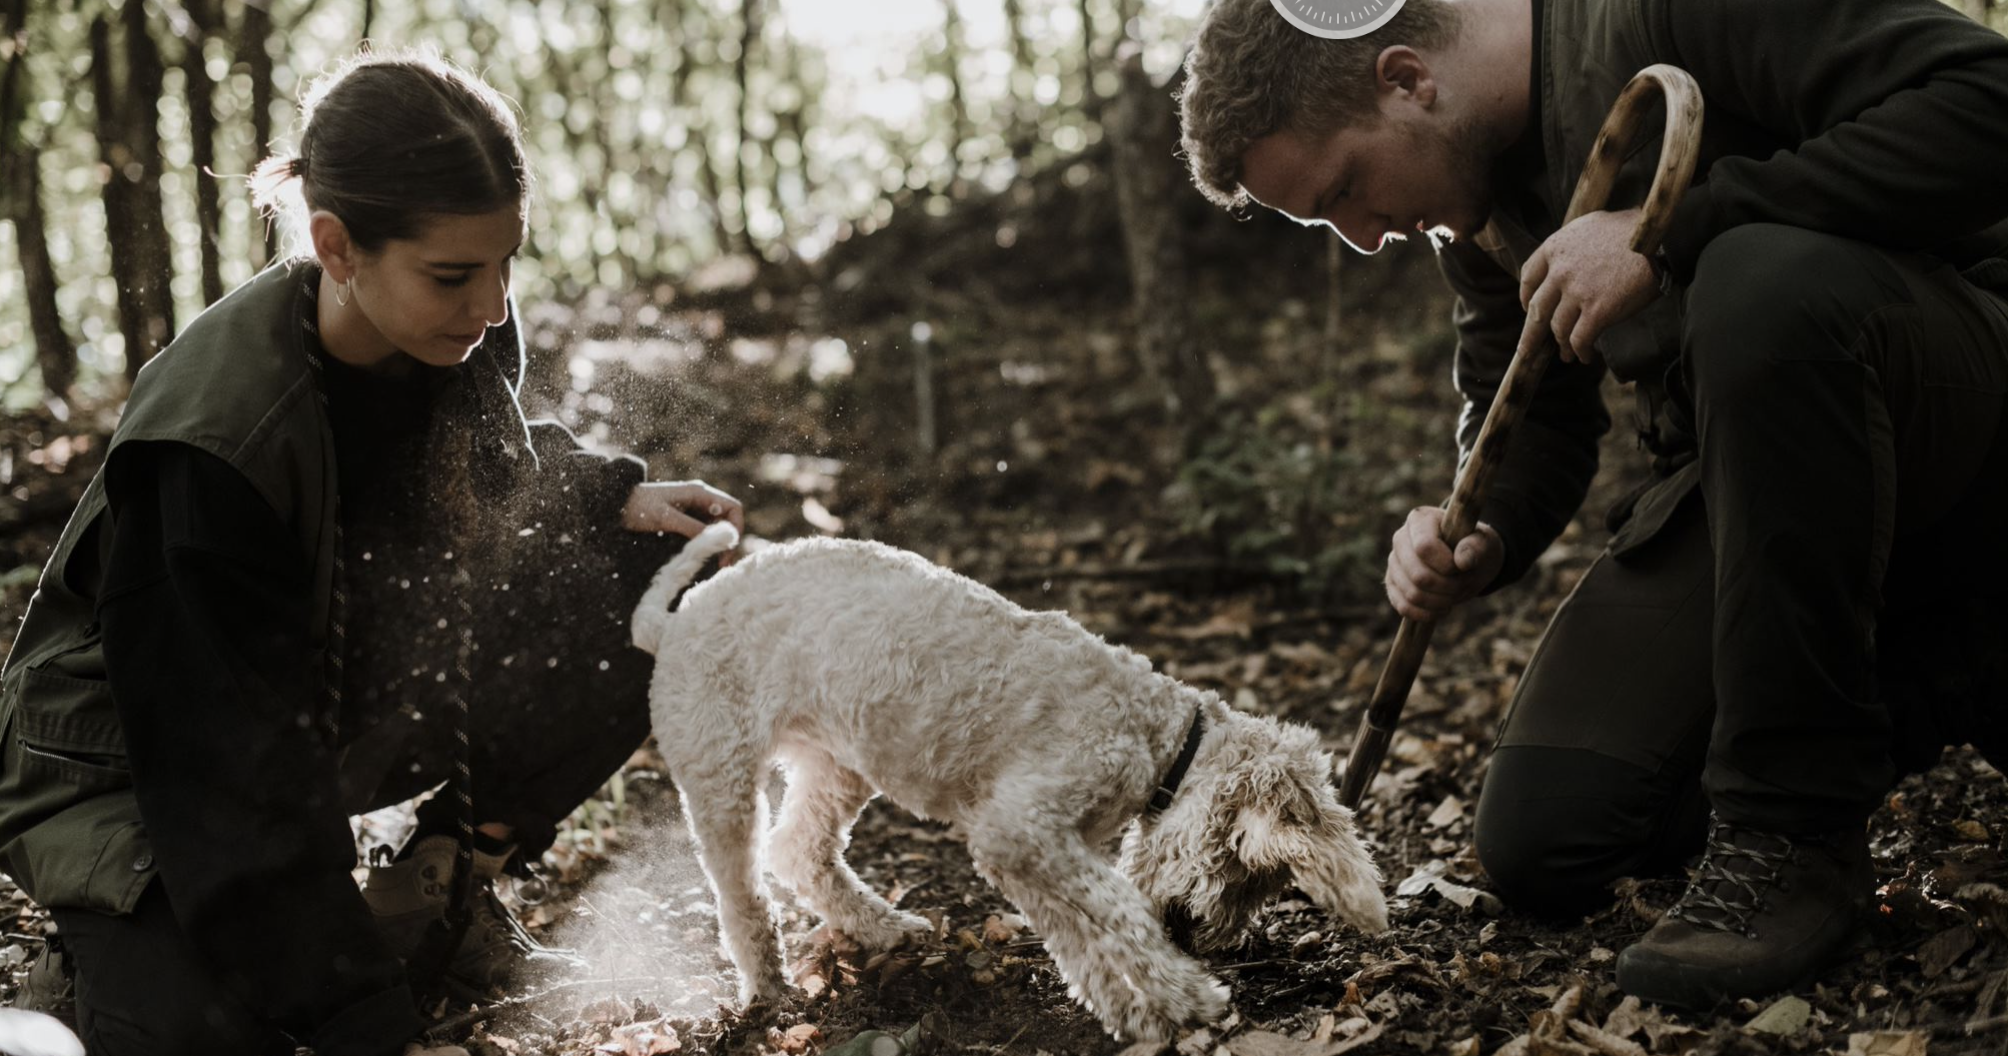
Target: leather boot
[
  {"x": 408, "y": 895},
  {"x": 1764, "y": 913}
]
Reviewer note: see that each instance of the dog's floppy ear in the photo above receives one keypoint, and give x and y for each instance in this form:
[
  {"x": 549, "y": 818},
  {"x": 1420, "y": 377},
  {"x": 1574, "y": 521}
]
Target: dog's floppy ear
[{"x": 1314, "y": 838}]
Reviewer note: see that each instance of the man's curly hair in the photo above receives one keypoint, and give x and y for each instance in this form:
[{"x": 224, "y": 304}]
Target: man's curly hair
[{"x": 1252, "y": 73}]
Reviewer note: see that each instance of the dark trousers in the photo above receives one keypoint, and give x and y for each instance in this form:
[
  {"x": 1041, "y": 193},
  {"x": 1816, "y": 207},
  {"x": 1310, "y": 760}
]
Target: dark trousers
[
  {"x": 1848, "y": 404},
  {"x": 560, "y": 701}
]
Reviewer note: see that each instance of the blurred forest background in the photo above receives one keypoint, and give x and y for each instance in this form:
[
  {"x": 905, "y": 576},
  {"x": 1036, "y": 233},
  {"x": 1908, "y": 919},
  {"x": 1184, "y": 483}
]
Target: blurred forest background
[
  {"x": 930, "y": 271},
  {"x": 906, "y": 214}
]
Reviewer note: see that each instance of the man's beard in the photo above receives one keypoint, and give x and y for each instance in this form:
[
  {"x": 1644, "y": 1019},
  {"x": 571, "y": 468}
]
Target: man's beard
[{"x": 1469, "y": 160}]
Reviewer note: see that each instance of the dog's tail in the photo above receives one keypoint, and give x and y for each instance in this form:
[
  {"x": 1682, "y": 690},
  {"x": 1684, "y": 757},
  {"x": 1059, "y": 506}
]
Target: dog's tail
[{"x": 651, "y": 617}]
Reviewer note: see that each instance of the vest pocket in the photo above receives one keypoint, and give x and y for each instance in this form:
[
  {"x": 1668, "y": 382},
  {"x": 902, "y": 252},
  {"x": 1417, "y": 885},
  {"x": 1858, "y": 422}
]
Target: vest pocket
[{"x": 69, "y": 732}]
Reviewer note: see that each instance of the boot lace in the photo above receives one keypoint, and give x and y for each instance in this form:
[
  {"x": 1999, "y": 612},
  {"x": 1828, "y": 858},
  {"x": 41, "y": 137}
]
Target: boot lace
[{"x": 1738, "y": 869}]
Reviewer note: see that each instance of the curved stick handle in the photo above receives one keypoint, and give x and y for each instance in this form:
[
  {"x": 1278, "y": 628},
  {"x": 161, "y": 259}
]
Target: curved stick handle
[{"x": 1679, "y": 150}]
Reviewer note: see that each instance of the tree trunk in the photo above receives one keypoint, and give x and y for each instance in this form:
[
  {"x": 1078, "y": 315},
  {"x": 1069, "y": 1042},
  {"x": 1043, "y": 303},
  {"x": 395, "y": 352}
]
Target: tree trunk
[
  {"x": 202, "y": 15},
  {"x": 21, "y": 191},
  {"x": 951, "y": 60},
  {"x": 674, "y": 15},
  {"x": 749, "y": 40},
  {"x": 1022, "y": 129},
  {"x": 126, "y": 273},
  {"x": 146, "y": 79},
  {"x": 795, "y": 121},
  {"x": 1143, "y": 131},
  {"x": 54, "y": 352},
  {"x": 254, "y": 34},
  {"x": 1091, "y": 97}
]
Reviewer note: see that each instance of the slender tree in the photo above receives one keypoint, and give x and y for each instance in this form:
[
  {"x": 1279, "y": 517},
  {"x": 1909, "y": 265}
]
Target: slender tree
[
  {"x": 742, "y": 65},
  {"x": 21, "y": 195},
  {"x": 1021, "y": 129},
  {"x": 794, "y": 120},
  {"x": 1091, "y": 96},
  {"x": 1143, "y": 129},
  {"x": 696, "y": 135},
  {"x": 254, "y": 35},
  {"x": 203, "y": 18},
  {"x": 129, "y": 145},
  {"x": 951, "y": 60}
]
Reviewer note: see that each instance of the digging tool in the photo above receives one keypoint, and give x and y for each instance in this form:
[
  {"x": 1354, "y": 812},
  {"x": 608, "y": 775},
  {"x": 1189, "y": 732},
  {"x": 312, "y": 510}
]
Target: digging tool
[{"x": 1679, "y": 149}]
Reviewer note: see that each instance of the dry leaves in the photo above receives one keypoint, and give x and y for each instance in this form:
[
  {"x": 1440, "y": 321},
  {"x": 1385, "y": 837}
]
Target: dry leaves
[
  {"x": 1887, "y": 1043},
  {"x": 1556, "y": 1030},
  {"x": 1268, "y": 1043}
]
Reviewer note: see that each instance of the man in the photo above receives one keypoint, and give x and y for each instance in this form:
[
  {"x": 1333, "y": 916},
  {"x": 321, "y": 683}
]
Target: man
[{"x": 1821, "y": 357}]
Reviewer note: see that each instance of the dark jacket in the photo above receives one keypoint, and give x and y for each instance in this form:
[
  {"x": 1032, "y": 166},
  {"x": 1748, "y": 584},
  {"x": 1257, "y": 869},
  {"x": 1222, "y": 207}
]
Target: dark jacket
[
  {"x": 198, "y": 747},
  {"x": 1880, "y": 120}
]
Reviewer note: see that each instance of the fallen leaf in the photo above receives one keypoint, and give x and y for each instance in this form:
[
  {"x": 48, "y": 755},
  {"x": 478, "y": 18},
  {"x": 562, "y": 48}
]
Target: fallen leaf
[
  {"x": 1269, "y": 1043},
  {"x": 1002, "y": 929},
  {"x": 869, "y": 1043},
  {"x": 1451, "y": 809},
  {"x": 1428, "y": 878},
  {"x": 797, "y": 1038},
  {"x": 1785, "y": 1017},
  {"x": 1887, "y": 1043},
  {"x": 606, "y": 1012},
  {"x": 1944, "y": 949},
  {"x": 1972, "y": 830},
  {"x": 1604, "y": 1042},
  {"x": 1197, "y": 1043}
]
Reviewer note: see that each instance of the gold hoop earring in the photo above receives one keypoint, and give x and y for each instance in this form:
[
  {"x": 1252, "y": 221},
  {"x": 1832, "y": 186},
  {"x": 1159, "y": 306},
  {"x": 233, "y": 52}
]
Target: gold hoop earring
[{"x": 349, "y": 286}]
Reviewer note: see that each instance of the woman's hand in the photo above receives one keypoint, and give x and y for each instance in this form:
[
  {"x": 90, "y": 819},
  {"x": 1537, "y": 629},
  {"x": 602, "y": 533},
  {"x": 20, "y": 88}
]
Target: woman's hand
[
  {"x": 1426, "y": 579},
  {"x": 681, "y": 506}
]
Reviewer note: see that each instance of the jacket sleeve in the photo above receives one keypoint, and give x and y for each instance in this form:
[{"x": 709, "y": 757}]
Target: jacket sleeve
[
  {"x": 575, "y": 488},
  {"x": 1899, "y": 109},
  {"x": 205, "y": 614},
  {"x": 1553, "y": 453},
  {"x": 578, "y": 485}
]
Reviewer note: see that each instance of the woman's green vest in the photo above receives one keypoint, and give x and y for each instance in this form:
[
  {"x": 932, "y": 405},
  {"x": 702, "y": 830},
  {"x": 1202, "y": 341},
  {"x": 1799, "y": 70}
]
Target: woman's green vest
[{"x": 236, "y": 384}]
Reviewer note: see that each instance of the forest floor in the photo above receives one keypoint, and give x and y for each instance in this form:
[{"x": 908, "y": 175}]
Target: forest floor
[{"x": 1050, "y": 481}]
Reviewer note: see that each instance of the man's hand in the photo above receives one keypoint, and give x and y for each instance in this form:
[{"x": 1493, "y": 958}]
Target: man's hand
[
  {"x": 681, "y": 506},
  {"x": 1426, "y": 578},
  {"x": 1583, "y": 280}
]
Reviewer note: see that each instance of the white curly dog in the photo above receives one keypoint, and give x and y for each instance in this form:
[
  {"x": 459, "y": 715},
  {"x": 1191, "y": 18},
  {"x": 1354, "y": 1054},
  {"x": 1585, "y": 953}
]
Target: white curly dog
[{"x": 868, "y": 669}]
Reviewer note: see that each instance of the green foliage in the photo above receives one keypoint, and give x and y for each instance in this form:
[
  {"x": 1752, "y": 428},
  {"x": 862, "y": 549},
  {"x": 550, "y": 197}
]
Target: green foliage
[
  {"x": 1275, "y": 490},
  {"x": 664, "y": 133}
]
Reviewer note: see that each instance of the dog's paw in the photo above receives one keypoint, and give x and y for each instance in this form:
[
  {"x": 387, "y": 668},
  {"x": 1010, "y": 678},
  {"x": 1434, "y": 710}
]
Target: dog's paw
[
  {"x": 890, "y": 930},
  {"x": 763, "y": 989}
]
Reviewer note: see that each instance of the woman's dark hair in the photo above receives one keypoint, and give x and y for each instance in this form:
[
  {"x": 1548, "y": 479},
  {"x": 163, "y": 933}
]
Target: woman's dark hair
[{"x": 390, "y": 140}]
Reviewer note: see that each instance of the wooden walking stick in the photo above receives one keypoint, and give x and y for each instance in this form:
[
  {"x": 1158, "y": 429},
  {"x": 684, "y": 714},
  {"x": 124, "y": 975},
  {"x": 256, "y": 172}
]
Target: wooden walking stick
[{"x": 1678, "y": 152}]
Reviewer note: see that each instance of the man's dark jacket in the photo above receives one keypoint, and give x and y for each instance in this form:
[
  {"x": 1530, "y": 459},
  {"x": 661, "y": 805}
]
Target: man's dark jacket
[{"x": 1879, "y": 120}]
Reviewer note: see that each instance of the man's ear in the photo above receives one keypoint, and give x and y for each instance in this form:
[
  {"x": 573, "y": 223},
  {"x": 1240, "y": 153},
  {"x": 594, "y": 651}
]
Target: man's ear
[
  {"x": 332, "y": 245},
  {"x": 1402, "y": 70}
]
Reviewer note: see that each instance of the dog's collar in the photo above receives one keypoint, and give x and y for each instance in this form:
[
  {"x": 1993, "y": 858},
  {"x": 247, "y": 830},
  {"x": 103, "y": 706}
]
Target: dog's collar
[{"x": 1161, "y": 799}]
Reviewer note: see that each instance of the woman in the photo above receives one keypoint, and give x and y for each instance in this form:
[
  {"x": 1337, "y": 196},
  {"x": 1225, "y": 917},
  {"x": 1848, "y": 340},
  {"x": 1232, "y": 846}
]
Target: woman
[{"x": 324, "y": 527}]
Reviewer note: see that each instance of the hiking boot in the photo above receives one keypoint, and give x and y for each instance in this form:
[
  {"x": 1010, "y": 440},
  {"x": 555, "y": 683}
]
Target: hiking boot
[
  {"x": 408, "y": 895},
  {"x": 1764, "y": 913},
  {"x": 50, "y": 987}
]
